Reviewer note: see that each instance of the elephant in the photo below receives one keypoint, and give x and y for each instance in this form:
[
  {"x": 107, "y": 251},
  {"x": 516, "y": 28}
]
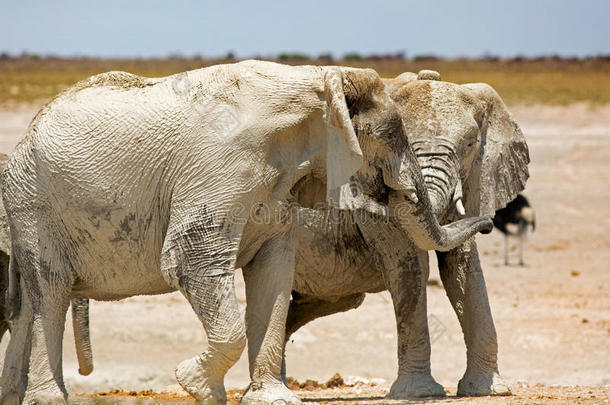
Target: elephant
[
  {"x": 125, "y": 185},
  {"x": 474, "y": 159},
  {"x": 341, "y": 255}
]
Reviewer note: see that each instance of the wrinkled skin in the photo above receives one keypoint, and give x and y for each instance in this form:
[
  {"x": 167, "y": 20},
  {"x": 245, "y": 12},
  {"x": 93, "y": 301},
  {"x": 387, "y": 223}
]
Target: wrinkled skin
[
  {"x": 464, "y": 139},
  {"x": 126, "y": 185},
  {"x": 179, "y": 207}
]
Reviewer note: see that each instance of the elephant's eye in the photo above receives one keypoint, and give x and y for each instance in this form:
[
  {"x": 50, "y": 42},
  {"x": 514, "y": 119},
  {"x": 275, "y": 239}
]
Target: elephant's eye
[{"x": 471, "y": 137}]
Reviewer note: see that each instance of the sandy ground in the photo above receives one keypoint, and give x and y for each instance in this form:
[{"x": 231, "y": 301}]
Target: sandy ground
[
  {"x": 552, "y": 316},
  {"x": 374, "y": 395}
]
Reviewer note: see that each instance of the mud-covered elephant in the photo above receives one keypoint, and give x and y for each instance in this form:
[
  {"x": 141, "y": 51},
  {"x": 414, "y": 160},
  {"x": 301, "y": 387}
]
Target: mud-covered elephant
[
  {"x": 126, "y": 185},
  {"x": 474, "y": 160},
  {"x": 467, "y": 134}
]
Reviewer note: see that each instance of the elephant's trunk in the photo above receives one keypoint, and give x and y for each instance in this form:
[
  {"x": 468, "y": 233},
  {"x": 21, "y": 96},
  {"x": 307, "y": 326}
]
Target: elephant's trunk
[
  {"x": 412, "y": 207},
  {"x": 80, "y": 324},
  {"x": 440, "y": 170},
  {"x": 425, "y": 231},
  {"x": 439, "y": 185}
]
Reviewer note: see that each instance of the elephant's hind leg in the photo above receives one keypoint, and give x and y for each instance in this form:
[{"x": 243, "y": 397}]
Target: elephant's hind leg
[
  {"x": 269, "y": 278},
  {"x": 301, "y": 313},
  {"x": 17, "y": 357},
  {"x": 200, "y": 260},
  {"x": 35, "y": 348},
  {"x": 4, "y": 269}
]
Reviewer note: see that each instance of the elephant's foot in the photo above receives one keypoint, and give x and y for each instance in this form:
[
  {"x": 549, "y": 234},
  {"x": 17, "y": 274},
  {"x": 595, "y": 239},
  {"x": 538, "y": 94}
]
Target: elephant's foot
[
  {"x": 482, "y": 383},
  {"x": 415, "y": 385},
  {"x": 193, "y": 376},
  {"x": 44, "y": 398},
  {"x": 269, "y": 394}
]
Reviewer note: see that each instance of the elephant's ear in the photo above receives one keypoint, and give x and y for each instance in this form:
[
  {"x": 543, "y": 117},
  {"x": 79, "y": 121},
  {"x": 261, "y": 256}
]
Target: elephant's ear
[
  {"x": 501, "y": 169},
  {"x": 344, "y": 156}
]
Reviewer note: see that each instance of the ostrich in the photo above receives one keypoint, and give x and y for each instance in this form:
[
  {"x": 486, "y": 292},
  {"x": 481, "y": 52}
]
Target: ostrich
[{"x": 517, "y": 212}]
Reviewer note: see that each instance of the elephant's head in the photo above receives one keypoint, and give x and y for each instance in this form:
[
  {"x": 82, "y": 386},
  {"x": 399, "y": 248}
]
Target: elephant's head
[
  {"x": 472, "y": 153},
  {"x": 390, "y": 179}
]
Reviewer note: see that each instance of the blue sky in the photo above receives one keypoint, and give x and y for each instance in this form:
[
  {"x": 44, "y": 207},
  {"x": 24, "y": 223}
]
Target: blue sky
[{"x": 249, "y": 28}]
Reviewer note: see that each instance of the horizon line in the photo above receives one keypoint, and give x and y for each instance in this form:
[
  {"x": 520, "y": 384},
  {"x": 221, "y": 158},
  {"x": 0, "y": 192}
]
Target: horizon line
[{"x": 348, "y": 56}]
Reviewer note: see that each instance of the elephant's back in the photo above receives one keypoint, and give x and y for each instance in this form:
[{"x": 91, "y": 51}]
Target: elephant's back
[
  {"x": 92, "y": 168},
  {"x": 108, "y": 129}
]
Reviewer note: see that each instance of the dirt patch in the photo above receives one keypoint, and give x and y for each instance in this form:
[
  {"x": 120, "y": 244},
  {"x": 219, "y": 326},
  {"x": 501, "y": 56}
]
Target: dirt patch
[
  {"x": 118, "y": 395},
  {"x": 553, "y": 247},
  {"x": 336, "y": 381},
  {"x": 375, "y": 395}
]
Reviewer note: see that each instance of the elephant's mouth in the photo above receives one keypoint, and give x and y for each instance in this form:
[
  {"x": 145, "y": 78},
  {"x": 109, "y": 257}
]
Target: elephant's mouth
[
  {"x": 441, "y": 172},
  {"x": 448, "y": 209},
  {"x": 442, "y": 180}
]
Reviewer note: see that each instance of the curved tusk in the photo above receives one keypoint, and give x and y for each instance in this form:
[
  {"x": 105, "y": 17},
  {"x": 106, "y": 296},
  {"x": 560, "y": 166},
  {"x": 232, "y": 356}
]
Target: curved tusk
[
  {"x": 460, "y": 207},
  {"x": 412, "y": 195}
]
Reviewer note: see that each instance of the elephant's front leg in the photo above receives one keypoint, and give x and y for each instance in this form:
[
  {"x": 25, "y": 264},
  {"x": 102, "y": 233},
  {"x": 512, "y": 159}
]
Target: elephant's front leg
[
  {"x": 463, "y": 280},
  {"x": 407, "y": 285},
  {"x": 405, "y": 272},
  {"x": 269, "y": 278},
  {"x": 199, "y": 256}
]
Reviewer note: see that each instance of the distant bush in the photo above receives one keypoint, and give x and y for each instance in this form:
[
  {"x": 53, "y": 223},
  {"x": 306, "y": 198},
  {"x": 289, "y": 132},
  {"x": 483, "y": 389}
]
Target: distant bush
[
  {"x": 325, "y": 57},
  {"x": 292, "y": 56},
  {"x": 426, "y": 58},
  {"x": 490, "y": 57},
  {"x": 352, "y": 56},
  {"x": 387, "y": 56}
]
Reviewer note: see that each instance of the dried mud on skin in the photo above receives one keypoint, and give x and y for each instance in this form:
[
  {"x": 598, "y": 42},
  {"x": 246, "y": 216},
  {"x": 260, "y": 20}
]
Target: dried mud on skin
[{"x": 312, "y": 391}]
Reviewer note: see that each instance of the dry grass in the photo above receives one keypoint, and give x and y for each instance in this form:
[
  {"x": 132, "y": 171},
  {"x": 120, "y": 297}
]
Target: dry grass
[{"x": 545, "y": 81}]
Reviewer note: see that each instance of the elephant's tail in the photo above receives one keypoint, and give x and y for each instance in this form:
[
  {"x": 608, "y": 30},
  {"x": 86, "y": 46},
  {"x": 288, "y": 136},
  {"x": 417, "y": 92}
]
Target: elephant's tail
[
  {"x": 12, "y": 293},
  {"x": 82, "y": 339}
]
